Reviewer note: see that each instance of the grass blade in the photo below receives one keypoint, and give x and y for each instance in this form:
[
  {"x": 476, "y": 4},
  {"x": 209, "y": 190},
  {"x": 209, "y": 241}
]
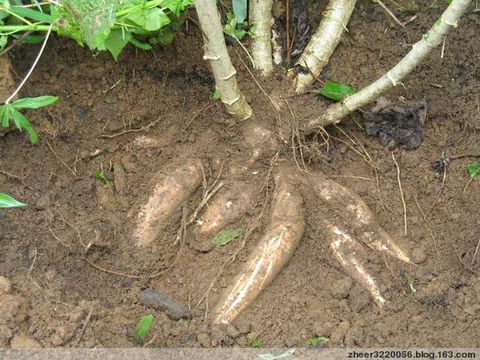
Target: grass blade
[{"x": 6, "y": 201}]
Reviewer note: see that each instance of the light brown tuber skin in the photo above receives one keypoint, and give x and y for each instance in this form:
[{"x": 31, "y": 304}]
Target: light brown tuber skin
[
  {"x": 170, "y": 192},
  {"x": 358, "y": 213},
  {"x": 227, "y": 209},
  {"x": 286, "y": 227},
  {"x": 273, "y": 251}
]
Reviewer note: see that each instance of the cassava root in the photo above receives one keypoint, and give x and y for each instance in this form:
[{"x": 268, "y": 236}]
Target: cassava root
[
  {"x": 273, "y": 251},
  {"x": 170, "y": 192}
]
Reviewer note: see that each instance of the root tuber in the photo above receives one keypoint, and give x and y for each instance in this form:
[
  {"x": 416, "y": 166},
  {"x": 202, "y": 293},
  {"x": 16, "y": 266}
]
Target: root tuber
[
  {"x": 273, "y": 251},
  {"x": 170, "y": 192}
]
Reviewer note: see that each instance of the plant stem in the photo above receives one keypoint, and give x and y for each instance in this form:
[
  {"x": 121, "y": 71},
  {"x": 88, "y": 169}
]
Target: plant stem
[
  {"x": 260, "y": 17},
  {"x": 336, "y": 112},
  {"x": 323, "y": 42},
  {"x": 17, "y": 28},
  {"x": 216, "y": 53},
  {"x": 32, "y": 67}
]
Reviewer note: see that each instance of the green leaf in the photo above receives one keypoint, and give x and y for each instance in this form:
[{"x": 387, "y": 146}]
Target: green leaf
[
  {"x": 318, "y": 340},
  {"x": 31, "y": 14},
  {"x": 34, "y": 102},
  {"x": 116, "y": 41},
  {"x": 164, "y": 37},
  {"x": 216, "y": 95},
  {"x": 176, "y": 6},
  {"x": 86, "y": 21},
  {"x": 6, "y": 201},
  {"x": 22, "y": 123},
  {"x": 231, "y": 29},
  {"x": 137, "y": 17},
  {"x": 5, "y": 4},
  {"x": 240, "y": 9},
  {"x": 100, "y": 175},
  {"x": 143, "y": 327},
  {"x": 141, "y": 45},
  {"x": 155, "y": 19},
  {"x": 5, "y": 114},
  {"x": 3, "y": 41},
  {"x": 225, "y": 236},
  {"x": 474, "y": 169},
  {"x": 32, "y": 39},
  {"x": 256, "y": 343},
  {"x": 336, "y": 91}
]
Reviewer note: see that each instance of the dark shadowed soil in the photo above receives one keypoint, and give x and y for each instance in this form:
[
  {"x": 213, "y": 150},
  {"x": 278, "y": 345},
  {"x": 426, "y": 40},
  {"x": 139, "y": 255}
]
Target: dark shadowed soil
[{"x": 152, "y": 111}]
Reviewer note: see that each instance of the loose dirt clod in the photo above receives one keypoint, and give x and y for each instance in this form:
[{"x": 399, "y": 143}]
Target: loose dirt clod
[
  {"x": 24, "y": 342},
  {"x": 174, "y": 309},
  {"x": 273, "y": 251},
  {"x": 169, "y": 193}
]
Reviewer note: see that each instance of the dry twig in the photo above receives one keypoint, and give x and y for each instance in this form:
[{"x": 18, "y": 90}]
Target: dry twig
[{"x": 401, "y": 194}]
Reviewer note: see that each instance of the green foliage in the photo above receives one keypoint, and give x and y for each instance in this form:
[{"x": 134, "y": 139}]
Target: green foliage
[
  {"x": 256, "y": 343},
  {"x": 10, "y": 111},
  {"x": 474, "y": 169},
  {"x": 317, "y": 341},
  {"x": 100, "y": 24},
  {"x": 100, "y": 175},
  {"x": 86, "y": 21},
  {"x": 216, "y": 95},
  {"x": 336, "y": 91},
  {"x": 143, "y": 327},
  {"x": 240, "y": 9},
  {"x": 6, "y": 201},
  {"x": 235, "y": 28},
  {"x": 226, "y": 236}
]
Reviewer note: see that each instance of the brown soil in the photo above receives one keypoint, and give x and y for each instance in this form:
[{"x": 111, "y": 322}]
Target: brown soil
[{"x": 58, "y": 299}]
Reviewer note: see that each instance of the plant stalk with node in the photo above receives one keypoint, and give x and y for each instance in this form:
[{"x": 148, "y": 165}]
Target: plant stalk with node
[
  {"x": 434, "y": 37},
  {"x": 216, "y": 54},
  {"x": 322, "y": 44},
  {"x": 260, "y": 17}
]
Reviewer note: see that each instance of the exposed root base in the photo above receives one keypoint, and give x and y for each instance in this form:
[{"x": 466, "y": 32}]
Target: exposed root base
[{"x": 283, "y": 233}]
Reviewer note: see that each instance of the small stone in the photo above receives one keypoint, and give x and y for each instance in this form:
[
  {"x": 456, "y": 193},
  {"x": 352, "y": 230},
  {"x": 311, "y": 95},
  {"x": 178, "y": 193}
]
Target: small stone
[
  {"x": 418, "y": 256},
  {"x": 24, "y": 342},
  {"x": 174, "y": 309},
  {"x": 341, "y": 288},
  {"x": 12, "y": 309},
  {"x": 5, "y": 285},
  {"x": 358, "y": 299}
]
